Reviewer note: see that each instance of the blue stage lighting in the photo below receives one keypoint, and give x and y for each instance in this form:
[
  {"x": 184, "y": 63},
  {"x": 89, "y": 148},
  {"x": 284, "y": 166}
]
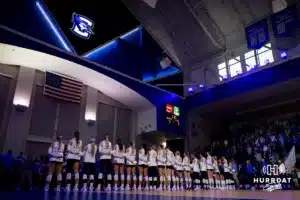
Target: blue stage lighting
[
  {"x": 96, "y": 51},
  {"x": 129, "y": 33},
  {"x": 47, "y": 18}
]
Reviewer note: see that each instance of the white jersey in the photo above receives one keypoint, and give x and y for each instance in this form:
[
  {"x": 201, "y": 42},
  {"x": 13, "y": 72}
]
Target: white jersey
[
  {"x": 119, "y": 155},
  {"x": 89, "y": 154},
  {"x": 203, "y": 166},
  {"x": 152, "y": 158},
  {"x": 143, "y": 160},
  {"x": 209, "y": 163},
  {"x": 105, "y": 150},
  {"x": 195, "y": 165},
  {"x": 56, "y": 152},
  {"x": 170, "y": 158},
  {"x": 178, "y": 163},
  {"x": 216, "y": 166},
  {"x": 186, "y": 164},
  {"x": 226, "y": 166},
  {"x": 74, "y": 149},
  {"x": 130, "y": 156},
  {"x": 161, "y": 158}
]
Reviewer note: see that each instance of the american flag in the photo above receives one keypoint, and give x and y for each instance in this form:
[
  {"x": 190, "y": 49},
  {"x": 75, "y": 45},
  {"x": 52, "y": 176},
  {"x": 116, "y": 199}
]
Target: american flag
[{"x": 62, "y": 87}]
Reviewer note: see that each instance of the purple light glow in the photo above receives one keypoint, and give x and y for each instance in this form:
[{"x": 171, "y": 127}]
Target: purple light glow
[
  {"x": 283, "y": 55},
  {"x": 191, "y": 89}
]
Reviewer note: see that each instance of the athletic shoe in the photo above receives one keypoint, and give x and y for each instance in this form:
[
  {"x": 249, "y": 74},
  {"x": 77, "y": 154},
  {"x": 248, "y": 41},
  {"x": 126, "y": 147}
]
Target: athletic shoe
[
  {"x": 57, "y": 189},
  {"x": 46, "y": 189},
  {"x": 76, "y": 188},
  {"x": 68, "y": 188},
  {"x": 121, "y": 188}
]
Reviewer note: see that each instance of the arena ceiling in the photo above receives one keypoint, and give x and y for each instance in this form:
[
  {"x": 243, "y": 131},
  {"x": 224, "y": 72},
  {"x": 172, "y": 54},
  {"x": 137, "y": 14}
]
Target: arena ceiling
[{"x": 195, "y": 30}]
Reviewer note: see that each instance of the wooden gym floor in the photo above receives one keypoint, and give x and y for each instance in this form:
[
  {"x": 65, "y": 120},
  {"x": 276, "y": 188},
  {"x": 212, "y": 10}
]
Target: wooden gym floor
[{"x": 199, "y": 195}]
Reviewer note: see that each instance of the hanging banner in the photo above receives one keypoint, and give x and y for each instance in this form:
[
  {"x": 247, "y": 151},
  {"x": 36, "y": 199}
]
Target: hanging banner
[
  {"x": 285, "y": 22},
  {"x": 257, "y": 34}
]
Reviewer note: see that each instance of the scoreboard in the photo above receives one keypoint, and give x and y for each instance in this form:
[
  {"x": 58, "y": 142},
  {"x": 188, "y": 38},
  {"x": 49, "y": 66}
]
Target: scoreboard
[{"x": 172, "y": 114}]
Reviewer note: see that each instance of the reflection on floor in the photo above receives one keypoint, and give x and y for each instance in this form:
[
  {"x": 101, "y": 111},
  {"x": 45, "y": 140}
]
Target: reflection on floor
[{"x": 199, "y": 195}]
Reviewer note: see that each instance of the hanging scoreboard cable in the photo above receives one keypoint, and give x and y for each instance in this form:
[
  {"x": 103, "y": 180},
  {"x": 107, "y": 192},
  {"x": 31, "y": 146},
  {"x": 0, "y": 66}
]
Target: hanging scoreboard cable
[{"x": 172, "y": 114}]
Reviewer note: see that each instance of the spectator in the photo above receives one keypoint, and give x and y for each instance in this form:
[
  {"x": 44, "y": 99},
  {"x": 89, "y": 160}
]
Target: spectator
[
  {"x": 8, "y": 169},
  {"x": 235, "y": 171}
]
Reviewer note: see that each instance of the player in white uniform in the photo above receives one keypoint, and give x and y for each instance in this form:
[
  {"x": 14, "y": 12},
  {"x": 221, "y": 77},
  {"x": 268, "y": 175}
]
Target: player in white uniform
[
  {"x": 203, "y": 172},
  {"x": 73, "y": 160},
  {"x": 161, "y": 163},
  {"x": 56, "y": 154},
  {"x": 230, "y": 177},
  {"x": 131, "y": 166},
  {"x": 195, "y": 172},
  {"x": 106, "y": 168},
  {"x": 119, "y": 162},
  {"x": 187, "y": 171},
  {"x": 152, "y": 171},
  {"x": 226, "y": 173},
  {"x": 89, "y": 165},
  {"x": 143, "y": 167},
  {"x": 221, "y": 168},
  {"x": 216, "y": 172},
  {"x": 210, "y": 170},
  {"x": 170, "y": 168},
  {"x": 179, "y": 171}
]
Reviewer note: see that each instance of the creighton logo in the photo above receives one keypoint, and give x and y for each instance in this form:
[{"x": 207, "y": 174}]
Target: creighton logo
[{"x": 82, "y": 26}]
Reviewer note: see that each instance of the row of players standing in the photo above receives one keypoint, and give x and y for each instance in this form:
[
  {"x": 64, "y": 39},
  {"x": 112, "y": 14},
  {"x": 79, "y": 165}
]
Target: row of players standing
[{"x": 157, "y": 169}]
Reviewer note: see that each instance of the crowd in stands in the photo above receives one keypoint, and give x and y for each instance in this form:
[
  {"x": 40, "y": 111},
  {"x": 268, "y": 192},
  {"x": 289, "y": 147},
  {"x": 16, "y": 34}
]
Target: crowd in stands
[{"x": 256, "y": 144}]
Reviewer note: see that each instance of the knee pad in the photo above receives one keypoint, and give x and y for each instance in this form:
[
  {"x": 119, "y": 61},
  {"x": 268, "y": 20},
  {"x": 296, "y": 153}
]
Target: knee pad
[
  {"x": 150, "y": 178},
  {"x": 155, "y": 179},
  {"x": 176, "y": 179},
  {"x": 161, "y": 178},
  {"x": 128, "y": 178},
  {"x": 109, "y": 177},
  {"x": 122, "y": 177},
  {"x": 77, "y": 176},
  {"x": 134, "y": 178},
  {"x": 140, "y": 178},
  {"x": 69, "y": 176},
  {"x": 84, "y": 176},
  {"x": 100, "y": 176},
  {"x": 181, "y": 180},
  {"x": 146, "y": 178},
  {"x": 116, "y": 177},
  {"x": 59, "y": 177},
  {"x": 91, "y": 177},
  {"x": 49, "y": 178},
  {"x": 169, "y": 178}
]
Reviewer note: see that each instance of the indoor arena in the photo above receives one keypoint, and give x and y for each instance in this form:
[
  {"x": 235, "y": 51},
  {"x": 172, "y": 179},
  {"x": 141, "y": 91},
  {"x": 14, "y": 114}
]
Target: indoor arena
[{"x": 150, "y": 99}]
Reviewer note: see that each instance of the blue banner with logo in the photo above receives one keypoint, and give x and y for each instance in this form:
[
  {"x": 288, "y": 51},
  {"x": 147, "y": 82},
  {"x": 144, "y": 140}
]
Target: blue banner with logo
[
  {"x": 285, "y": 22},
  {"x": 257, "y": 34}
]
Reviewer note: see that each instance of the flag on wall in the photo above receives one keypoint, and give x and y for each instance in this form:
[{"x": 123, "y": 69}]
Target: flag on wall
[{"x": 62, "y": 87}]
